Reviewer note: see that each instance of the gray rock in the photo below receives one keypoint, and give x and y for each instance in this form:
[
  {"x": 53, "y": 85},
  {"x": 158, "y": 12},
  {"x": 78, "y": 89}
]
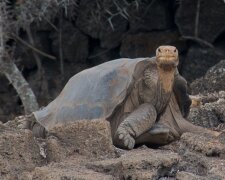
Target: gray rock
[
  {"x": 198, "y": 61},
  {"x": 188, "y": 176},
  {"x": 139, "y": 164},
  {"x": 202, "y": 19},
  {"x": 213, "y": 81},
  {"x": 103, "y": 20},
  {"x": 145, "y": 44},
  {"x": 18, "y": 153},
  {"x": 211, "y": 113},
  {"x": 67, "y": 170},
  {"x": 74, "y": 44},
  {"x": 85, "y": 137},
  {"x": 150, "y": 15},
  {"x": 203, "y": 144}
]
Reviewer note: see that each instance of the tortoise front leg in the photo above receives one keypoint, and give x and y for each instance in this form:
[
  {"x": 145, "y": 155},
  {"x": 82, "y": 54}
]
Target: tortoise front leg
[
  {"x": 182, "y": 97},
  {"x": 138, "y": 122}
]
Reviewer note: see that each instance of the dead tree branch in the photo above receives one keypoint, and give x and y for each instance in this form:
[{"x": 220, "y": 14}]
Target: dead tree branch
[
  {"x": 36, "y": 57},
  {"x": 198, "y": 40},
  {"x": 33, "y": 48},
  {"x": 14, "y": 75},
  {"x": 197, "y": 17},
  {"x": 20, "y": 84},
  {"x": 60, "y": 46}
]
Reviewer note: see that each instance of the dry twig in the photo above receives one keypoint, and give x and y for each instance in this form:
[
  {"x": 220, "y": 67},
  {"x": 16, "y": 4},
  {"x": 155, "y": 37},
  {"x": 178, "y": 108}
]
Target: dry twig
[
  {"x": 33, "y": 48},
  {"x": 197, "y": 17}
]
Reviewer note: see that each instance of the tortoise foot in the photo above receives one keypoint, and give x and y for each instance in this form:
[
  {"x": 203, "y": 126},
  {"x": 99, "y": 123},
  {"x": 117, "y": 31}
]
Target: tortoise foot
[
  {"x": 123, "y": 139},
  {"x": 29, "y": 122},
  {"x": 39, "y": 131},
  {"x": 23, "y": 124},
  {"x": 26, "y": 122}
]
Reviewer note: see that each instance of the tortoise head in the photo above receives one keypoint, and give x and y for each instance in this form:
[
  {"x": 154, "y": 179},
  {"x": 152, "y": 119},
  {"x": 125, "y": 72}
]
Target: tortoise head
[{"x": 167, "y": 57}]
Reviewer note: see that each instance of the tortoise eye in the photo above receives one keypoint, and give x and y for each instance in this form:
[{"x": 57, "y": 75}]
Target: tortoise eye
[
  {"x": 175, "y": 50},
  {"x": 159, "y": 50}
]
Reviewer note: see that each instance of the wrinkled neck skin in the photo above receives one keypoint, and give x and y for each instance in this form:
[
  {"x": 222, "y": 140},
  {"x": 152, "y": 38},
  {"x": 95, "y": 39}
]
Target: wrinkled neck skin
[{"x": 166, "y": 78}]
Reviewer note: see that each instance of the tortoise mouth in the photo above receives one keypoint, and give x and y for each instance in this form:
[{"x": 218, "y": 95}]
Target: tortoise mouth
[
  {"x": 167, "y": 58},
  {"x": 167, "y": 66},
  {"x": 167, "y": 62}
]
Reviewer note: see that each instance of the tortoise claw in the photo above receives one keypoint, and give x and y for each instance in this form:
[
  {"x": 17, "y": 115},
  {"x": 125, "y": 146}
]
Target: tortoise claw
[
  {"x": 29, "y": 122},
  {"x": 131, "y": 143},
  {"x": 121, "y": 136},
  {"x": 124, "y": 139},
  {"x": 24, "y": 124}
]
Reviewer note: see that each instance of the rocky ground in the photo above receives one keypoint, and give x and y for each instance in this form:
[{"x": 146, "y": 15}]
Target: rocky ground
[{"x": 84, "y": 150}]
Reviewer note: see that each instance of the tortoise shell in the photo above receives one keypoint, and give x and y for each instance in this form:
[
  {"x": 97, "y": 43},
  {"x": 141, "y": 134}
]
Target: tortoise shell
[{"x": 93, "y": 93}]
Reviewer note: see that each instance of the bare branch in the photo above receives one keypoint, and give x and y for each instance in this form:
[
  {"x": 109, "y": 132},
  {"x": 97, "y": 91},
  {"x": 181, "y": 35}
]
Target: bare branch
[
  {"x": 197, "y": 17},
  {"x": 20, "y": 84},
  {"x": 200, "y": 41},
  {"x": 60, "y": 46},
  {"x": 33, "y": 48},
  {"x": 36, "y": 57},
  {"x": 14, "y": 75},
  {"x": 203, "y": 43}
]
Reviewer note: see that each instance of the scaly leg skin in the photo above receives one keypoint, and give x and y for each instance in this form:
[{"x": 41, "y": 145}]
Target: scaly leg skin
[
  {"x": 39, "y": 131},
  {"x": 183, "y": 124},
  {"x": 182, "y": 97},
  {"x": 138, "y": 122},
  {"x": 30, "y": 123}
]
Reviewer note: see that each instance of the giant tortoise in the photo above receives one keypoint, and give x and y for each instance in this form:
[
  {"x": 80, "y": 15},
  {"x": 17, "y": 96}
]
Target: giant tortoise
[{"x": 144, "y": 99}]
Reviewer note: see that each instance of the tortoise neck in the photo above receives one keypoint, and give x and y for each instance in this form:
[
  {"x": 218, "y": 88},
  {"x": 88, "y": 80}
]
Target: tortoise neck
[
  {"x": 149, "y": 77},
  {"x": 166, "y": 79}
]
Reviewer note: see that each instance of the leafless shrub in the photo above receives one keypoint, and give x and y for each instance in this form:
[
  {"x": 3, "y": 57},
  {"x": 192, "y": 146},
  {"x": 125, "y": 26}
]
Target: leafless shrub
[
  {"x": 5, "y": 21},
  {"x": 28, "y": 11},
  {"x": 120, "y": 8}
]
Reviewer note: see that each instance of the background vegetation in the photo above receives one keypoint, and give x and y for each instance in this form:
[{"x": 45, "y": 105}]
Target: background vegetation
[{"x": 44, "y": 42}]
